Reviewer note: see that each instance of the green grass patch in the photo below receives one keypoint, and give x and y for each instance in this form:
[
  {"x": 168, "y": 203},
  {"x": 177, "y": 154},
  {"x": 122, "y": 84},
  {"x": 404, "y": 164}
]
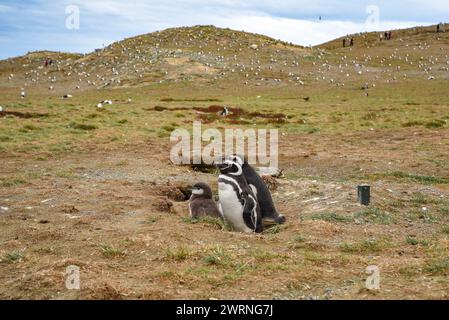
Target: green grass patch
[
  {"x": 11, "y": 182},
  {"x": 332, "y": 217},
  {"x": 274, "y": 229},
  {"x": 298, "y": 238},
  {"x": 414, "y": 242},
  {"x": 178, "y": 254},
  {"x": 420, "y": 199},
  {"x": 30, "y": 127},
  {"x": 4, "y": 138},
  {"x": 435, "y": 124},
  {"x": 216, "y": 223},
  {"x": 110, "y": 251},
  {"x": 438, "y": 267},
  {"x": 413, "y": 123},
  {"x": 375, "y": 215},
  {"x": 13, "y": 256},
  {"x": 445, "y": 229},
  {"x": 82, "y": 126},
  {"x": 365, "y": 246},
  {"x": 422, "y": 179}
]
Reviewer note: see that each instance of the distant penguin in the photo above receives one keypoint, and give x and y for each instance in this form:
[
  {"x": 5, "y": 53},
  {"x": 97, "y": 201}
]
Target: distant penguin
[
  {"x": 238, "y": 201},
  {"x": 224, "y": 112},
  {"x": 201, "y": 203},
  {"x": 267, "y": 209}
]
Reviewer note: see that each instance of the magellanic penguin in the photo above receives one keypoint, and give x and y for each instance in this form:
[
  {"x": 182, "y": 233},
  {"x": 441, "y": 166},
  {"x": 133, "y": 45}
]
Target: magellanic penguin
[
  {"x": 201, "y": 203},
  {"x": 238, "y": 201},
  {"x": 267, "y": 209},
  {"x": 224, "y": 112}
]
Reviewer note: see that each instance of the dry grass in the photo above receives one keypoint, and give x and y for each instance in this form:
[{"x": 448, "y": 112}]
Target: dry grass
[{"x": 97, "y": 178}]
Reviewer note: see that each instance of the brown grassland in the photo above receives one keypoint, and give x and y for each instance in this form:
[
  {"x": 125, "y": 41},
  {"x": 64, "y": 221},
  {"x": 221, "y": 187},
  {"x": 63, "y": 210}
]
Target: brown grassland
[{"x": 94, "y": 187}]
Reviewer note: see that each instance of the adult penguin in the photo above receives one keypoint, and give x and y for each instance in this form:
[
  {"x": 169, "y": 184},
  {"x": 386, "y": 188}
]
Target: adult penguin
[
  {"x": 267, "y": 209},
  {"x": 238, "y": 202}
]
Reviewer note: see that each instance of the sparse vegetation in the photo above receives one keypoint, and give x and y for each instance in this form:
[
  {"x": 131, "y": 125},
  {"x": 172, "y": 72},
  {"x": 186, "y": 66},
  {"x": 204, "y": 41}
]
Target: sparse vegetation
[
  {"x": 178, "y": 254},
  {"x": 414, "y": 241},
  {"x": 216, "y": 223},
  {"x": 93, "y": 174},
  {"x": 375, "y": 215},
  {"x": 365, "y": 246},
  {"x": 110, "y": 251},
  {"x": 331, "y": 217},
  {"x": 82, "y": 126},
  {"x": 13, "y": 256},
  {"x": 438, "y": 267}
]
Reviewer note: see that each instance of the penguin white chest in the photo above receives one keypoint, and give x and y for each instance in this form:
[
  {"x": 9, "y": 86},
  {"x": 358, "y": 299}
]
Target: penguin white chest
[{"x": 232, "y": 207}]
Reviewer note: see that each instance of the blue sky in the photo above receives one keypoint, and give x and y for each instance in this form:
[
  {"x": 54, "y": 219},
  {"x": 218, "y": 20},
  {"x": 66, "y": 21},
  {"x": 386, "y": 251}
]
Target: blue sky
[{"x": 41, "y": 24}]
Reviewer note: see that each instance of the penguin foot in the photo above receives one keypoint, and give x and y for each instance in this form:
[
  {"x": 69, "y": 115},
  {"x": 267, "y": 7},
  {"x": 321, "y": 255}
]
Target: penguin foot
[
  {"x": 271, "y": 221},
  {"x": 280, "y": 219}
]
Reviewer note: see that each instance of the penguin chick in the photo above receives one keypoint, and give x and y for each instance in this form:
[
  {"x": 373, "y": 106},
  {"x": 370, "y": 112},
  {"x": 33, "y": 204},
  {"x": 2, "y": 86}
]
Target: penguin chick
[{"x": 201, "y": 203}]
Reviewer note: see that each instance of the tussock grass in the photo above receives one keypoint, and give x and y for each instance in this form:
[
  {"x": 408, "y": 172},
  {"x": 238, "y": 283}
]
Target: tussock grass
[
  {"x": 218, "y": 257},
  {"x": 375, "y": 215},
  {"x": 110, "y": 251},
  {"x": 82, "y": 126},
  {"x": 13, "y": 256},
  {"x": 414, "y": 241},
  {"x": 438, "y": 267},
  {"x": 274, "y": 229},
  {"x": 178, "y": 254},
  {"x": 216, "y": 223},
  {"x": 11, "y": 182},
  {"x": 445, "y": 230},
  {"x": 365, "y": 246}
]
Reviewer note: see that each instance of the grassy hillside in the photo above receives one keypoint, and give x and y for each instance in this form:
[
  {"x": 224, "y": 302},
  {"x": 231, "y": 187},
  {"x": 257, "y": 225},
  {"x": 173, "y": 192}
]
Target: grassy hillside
[{"x": 94, "y": 187}]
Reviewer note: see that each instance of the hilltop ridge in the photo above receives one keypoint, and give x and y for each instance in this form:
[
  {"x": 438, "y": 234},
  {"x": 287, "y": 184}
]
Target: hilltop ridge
[{"x": 207, "y": 54}]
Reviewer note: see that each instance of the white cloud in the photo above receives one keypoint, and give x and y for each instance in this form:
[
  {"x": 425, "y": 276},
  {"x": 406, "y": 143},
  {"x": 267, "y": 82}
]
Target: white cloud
[
  {"x": 103, "y": 21},
  {"x": 306, "y": 32}
]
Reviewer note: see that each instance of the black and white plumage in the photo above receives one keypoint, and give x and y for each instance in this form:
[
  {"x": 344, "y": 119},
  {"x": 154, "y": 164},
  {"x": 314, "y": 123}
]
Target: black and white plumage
[
  {"x": 201, "y": 203},
  {"x": 224, "y": 112},
  {"x": 267, "y": 209},
  {"x": 238, "y": 202}
]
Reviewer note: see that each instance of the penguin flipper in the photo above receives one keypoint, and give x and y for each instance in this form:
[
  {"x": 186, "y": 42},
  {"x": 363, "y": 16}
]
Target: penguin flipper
[{"x": 251, "y": 214}]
